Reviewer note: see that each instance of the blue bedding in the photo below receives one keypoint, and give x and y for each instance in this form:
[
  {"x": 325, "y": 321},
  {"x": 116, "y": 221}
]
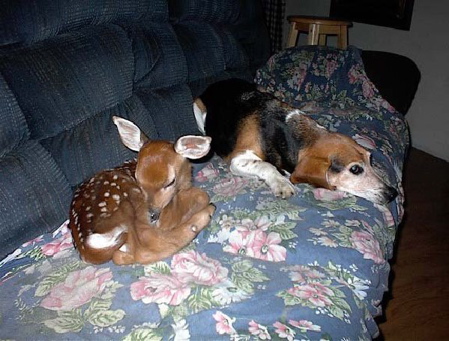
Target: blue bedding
[{"x": 312, "y": 267}]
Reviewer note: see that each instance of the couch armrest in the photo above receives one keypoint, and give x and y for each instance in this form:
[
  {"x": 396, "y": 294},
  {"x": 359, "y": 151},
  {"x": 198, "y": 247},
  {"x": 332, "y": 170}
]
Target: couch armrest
[{"x": 395, "y": 76}]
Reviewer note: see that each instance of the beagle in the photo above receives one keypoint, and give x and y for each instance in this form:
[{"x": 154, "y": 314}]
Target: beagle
[{"x": 260, "y": 136}]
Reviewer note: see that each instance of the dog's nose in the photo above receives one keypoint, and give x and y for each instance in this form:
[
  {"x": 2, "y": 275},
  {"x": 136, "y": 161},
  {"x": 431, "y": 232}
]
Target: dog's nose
[
  {"x": 390, "y": 194},
  {"x": 153, "y": 215}
]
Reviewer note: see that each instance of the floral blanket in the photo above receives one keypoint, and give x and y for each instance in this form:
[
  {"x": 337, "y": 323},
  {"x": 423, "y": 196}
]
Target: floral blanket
[{"x": 313, "y": 267}]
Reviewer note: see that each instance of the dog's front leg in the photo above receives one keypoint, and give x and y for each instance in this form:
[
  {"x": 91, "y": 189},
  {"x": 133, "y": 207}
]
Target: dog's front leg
[{"x": 249, "y": 164}]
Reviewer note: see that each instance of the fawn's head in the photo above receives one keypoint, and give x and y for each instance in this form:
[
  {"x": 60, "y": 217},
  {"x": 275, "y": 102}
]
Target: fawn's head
[{"x": 163, "y": 167}]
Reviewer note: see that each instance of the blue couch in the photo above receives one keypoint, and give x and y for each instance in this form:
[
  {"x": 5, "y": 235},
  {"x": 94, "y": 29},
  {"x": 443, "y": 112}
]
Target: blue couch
[
  {"x": 313, "y": 267},
  {"x": 67, "y": 66}
]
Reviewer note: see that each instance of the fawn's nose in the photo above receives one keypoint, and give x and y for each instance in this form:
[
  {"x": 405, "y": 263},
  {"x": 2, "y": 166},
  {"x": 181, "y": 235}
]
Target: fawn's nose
[{"x": 153, "y": 215}]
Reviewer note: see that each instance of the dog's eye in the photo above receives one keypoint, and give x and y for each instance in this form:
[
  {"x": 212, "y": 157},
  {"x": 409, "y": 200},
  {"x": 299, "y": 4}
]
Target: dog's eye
[
  {"x": 170, "y": 184},
  {"x": 356, "y": 170}
]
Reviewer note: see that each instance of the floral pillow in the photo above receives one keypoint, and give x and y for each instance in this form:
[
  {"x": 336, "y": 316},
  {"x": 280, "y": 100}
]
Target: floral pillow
[{"x": 329, "y": 76}]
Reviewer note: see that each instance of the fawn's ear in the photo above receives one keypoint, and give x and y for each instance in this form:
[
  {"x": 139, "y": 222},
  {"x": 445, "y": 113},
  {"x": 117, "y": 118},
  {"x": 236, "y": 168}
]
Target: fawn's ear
[
  {"x": 192, "y": 146},
  {"x": 130, "y": 134}
]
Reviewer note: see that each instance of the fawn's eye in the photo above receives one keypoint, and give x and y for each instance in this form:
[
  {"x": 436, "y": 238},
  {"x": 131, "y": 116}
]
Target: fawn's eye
[
  {"x": 171, "y": 183},
  {"x": 356, "y": 170}
]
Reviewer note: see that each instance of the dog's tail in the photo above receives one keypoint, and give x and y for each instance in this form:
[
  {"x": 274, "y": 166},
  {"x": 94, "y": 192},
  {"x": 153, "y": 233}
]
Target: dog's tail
[{"x": 199, "y": 110}]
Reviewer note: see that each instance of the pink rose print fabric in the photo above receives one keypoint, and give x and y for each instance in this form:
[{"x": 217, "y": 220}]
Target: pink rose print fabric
[{"x": 78, "y": 289}]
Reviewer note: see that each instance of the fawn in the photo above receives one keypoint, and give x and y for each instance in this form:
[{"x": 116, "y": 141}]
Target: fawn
[{"x": 146, "y": 209}]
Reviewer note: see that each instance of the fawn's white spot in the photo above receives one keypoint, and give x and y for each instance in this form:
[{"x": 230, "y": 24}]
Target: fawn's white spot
[
  {"x": 106, "y": 240},
  {"x": 124, "y": 248}
]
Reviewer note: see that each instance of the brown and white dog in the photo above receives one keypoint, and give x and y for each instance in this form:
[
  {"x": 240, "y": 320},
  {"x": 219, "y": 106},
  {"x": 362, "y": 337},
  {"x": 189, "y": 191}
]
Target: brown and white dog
[{"x": 260, "y": 136}]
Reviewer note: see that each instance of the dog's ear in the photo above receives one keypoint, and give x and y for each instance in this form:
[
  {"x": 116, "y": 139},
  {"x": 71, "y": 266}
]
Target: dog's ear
[
  {"x": 192, "y": 146},
  {"x": 312, "y": 170},
  {"x": 130, "y": 134}
]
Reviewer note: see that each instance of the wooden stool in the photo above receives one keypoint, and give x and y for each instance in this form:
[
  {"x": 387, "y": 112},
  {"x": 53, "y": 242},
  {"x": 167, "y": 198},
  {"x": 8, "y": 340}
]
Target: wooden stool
[{"x": 318, "y": 28}]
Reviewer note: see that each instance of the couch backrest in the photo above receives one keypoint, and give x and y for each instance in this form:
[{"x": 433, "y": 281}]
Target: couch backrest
[{"x": 66, "y": 67}]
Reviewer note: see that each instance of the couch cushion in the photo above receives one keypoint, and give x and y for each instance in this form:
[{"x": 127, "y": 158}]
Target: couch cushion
[
  {"x": 250, "y": 30},
  {"x": 209, "y": 49},
  {"x": 23, "y": 22},
  {"x": 233, "y": 31},
  {"x": 34, "y": 195},
  {"x": 212, "y": 11},
  {"x": 161, "y": 113},
  {"x": 202, "y": 48},
  {"x": 158, "y": 57},
  {"x": 71, "y": 77},
  {"x": 82, "y": 151},
  {"x": 13, "y": 128},
  {"x": 171, "y": 110},
  {"x": 235, "y": 58}
]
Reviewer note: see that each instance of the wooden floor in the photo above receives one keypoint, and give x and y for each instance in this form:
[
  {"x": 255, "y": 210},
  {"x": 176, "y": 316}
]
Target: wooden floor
[{"x": 417, "y": 305}]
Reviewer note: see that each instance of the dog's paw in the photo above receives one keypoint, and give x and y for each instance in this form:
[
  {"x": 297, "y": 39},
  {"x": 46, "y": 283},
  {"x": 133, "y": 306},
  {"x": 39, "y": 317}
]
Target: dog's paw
[{"x": 282, "y": 187}]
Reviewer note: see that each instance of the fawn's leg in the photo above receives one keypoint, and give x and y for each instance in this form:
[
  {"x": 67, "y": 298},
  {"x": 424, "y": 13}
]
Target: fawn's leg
[
  {"x": 162, "y": 243},
  {"x": 135, "y": 215}
]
